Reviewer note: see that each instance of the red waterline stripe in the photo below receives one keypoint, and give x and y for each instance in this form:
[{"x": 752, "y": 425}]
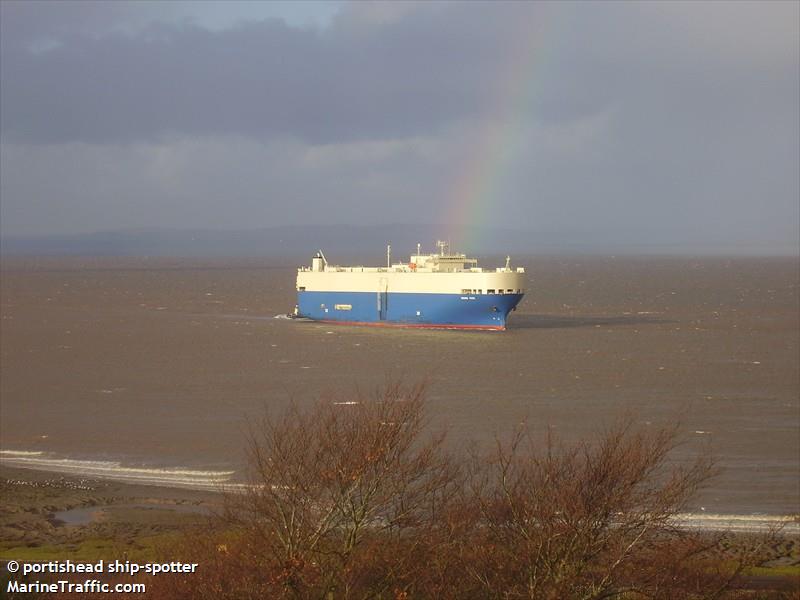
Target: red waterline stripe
[{"x": 413, "y": 325}]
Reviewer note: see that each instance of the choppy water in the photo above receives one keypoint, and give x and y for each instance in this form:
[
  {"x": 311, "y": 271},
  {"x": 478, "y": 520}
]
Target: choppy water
[{"x": 154, "y": 370}]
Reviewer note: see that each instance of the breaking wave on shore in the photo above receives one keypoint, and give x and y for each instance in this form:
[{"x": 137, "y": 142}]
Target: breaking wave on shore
[
  {"x": 737, "y": 523},
  {"x": 116, "y": 471},
  {"x": 208, "y": 480}
]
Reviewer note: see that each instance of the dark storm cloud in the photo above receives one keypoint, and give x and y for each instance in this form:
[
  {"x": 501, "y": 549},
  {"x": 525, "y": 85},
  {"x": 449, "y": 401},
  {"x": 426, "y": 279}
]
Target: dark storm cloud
[
  {"x": 263, "y": 79},
  {"x": 675, "y": 121},
  {"x": 83, "y": 72}
]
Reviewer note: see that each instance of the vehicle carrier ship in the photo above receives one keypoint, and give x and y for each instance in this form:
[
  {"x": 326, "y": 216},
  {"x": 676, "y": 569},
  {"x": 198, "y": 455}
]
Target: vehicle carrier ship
[{"x": 440, "y": 290}]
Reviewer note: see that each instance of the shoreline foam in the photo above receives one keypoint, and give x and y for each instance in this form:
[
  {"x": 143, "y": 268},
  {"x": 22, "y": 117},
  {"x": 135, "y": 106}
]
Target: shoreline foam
[
  {"x": 217, "y": 481},
  {"x": 181, "y": 477}
]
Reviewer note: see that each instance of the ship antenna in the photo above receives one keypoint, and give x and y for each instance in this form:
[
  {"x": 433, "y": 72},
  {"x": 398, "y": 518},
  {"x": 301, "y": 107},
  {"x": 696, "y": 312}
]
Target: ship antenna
[{"x": 388, "y": 256}]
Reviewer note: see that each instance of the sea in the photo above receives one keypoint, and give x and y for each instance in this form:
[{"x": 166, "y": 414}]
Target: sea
[{"x": 155, "y": 370}]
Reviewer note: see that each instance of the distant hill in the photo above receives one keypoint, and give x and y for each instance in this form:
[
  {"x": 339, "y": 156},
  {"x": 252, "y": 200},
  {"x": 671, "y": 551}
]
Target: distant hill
[{"x": 350, "y": 242}]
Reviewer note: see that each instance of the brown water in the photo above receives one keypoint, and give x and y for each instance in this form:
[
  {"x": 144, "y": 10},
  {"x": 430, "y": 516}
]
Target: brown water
[{"x": 161, "y": 363}]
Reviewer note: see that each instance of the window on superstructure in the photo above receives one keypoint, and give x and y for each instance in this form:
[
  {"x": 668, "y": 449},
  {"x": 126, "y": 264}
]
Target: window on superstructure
[
  {"x": 510, "y": 291},
  {"x": 490, "y": 291}
]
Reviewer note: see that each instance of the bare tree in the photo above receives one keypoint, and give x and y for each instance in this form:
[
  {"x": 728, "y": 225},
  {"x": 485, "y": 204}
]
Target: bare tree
[
  {"x": 591, "y": 520},
  {"x": 337, "y": 483},
  {"x": 355, "y": 499}
]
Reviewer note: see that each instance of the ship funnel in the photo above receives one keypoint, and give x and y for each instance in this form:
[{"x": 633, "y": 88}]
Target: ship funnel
[{"x": 318, "y": 262}]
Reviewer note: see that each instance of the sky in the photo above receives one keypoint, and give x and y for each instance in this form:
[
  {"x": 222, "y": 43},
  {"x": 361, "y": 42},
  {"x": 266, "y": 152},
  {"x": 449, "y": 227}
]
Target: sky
[{"x": 664, "y": 122}]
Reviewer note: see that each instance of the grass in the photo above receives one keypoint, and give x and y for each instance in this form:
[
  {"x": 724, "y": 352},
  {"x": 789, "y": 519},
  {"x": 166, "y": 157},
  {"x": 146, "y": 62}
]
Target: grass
[
  {"x": 776, "y": 571},
  {"x": 141, "y": 548}
]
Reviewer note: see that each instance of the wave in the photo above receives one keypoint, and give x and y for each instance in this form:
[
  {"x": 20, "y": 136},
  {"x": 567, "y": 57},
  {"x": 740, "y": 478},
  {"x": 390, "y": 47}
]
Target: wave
[
  {"x": 116, "y": 471},
  {"x": 739, "y": 523},
  {"x": 11, "y": 453},
  {"x": 214, "y": 480},
  {"x": 286, "y": 317}
]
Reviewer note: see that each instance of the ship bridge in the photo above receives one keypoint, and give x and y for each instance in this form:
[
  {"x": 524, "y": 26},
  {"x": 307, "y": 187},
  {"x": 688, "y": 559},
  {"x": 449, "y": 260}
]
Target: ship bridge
[{"x": 442, "y": 262}]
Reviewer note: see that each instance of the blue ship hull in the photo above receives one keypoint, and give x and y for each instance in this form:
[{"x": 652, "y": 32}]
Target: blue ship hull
[{"x": 449, "y": 311}]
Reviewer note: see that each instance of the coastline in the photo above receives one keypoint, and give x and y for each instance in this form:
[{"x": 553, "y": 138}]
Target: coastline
[
  {"x": 180, "y": 485},
  {"x": 52, "y": 492},
  {"x": 50, "y": 516}
]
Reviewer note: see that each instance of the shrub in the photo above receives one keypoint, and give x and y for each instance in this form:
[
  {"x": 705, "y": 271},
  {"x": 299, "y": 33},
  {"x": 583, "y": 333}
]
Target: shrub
[{"x": 357, "y": 500}]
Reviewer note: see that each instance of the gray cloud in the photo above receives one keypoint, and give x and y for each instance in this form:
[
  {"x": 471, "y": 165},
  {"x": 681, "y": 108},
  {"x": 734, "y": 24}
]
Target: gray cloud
[
  {"x": 263, "y": 79},
  {"x": 675, "y": 118}
]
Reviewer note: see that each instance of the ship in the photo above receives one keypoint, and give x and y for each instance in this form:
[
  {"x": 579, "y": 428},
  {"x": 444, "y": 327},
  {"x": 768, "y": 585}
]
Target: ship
[{"x": 441, "y": 290}]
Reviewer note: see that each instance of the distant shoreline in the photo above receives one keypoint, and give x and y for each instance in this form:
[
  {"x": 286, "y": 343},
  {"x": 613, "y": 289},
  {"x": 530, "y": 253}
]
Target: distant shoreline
[{"x": 352, "y": 241}]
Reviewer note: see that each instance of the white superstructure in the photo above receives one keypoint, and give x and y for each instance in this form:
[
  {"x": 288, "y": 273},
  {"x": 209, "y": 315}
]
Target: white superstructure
[{"x": 424, "y": 273}]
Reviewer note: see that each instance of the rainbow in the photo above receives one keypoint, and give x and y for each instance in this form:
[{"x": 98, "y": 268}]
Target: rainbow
[{"x": 475, "y": 187}]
